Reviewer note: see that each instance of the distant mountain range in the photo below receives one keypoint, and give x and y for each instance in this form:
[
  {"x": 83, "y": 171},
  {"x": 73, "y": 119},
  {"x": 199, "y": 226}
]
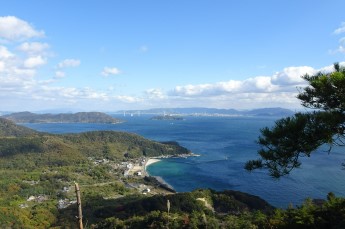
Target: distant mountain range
[
  {"x": 199, "y": 111},
  {"x": 99, "y": 117},
  {"x": 81, "y": 117}
]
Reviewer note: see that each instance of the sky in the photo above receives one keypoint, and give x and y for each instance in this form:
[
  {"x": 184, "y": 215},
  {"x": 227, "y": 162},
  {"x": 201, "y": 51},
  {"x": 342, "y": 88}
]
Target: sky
[{"x": 111, "y": 55}]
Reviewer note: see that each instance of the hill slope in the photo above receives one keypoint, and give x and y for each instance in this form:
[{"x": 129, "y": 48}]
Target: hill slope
[
  {"x": 81, "y": 117},
  {"x": 16, "y": 139},
  {"x": 44, "y": 166},
  {"x": 10, "y": 129}
]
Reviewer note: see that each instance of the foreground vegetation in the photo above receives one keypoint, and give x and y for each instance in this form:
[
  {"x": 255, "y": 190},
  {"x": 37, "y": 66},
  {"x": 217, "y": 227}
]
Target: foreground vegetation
[
  {"x": 228, "y": 213},
  {"x": 38, "y": 171}
]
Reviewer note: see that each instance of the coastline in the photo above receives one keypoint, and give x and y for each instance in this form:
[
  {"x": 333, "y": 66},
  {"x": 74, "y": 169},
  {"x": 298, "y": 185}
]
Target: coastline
[
  {"x": 151, "y": 161},
  {"x": 158, "y": 179}
]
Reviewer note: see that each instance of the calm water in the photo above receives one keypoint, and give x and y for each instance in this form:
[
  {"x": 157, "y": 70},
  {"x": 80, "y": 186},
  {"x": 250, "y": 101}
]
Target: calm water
[{"x": 225, "y": 145}]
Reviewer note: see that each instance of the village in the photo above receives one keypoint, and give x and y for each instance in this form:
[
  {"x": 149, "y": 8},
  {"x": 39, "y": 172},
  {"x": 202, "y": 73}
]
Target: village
[{"x": 132, "y": 174}]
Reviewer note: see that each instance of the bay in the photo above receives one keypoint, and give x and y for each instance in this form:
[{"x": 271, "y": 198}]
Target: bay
[{"x": 225, "y": 144}]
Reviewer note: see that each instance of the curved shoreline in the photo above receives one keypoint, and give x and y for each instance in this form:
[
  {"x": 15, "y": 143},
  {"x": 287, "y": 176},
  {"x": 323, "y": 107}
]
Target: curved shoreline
[
  {"x": 159, "y": 179},
  {"x": 151, "y": 161}
]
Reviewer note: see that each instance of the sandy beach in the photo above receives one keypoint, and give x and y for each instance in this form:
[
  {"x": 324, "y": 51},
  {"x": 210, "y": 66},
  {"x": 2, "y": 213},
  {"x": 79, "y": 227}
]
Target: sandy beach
[
  {"x": 159, "y": 179},
  {"x": 150, "y": 161}
]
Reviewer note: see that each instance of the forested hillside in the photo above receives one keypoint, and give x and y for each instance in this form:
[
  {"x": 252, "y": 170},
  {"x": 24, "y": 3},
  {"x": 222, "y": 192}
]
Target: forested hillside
[
  {"x": 80, "y": 117},
  {"x": 10, "y": 129}
]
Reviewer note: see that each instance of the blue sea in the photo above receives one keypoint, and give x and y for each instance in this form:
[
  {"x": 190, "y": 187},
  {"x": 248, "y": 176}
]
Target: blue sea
[{"x": 225, "y": 144}]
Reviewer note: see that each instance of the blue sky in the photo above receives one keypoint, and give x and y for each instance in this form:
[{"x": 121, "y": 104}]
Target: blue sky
[{"x": 114, "y": 55}]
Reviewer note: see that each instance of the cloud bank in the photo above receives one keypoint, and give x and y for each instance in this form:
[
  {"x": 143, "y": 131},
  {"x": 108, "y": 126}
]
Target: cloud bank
[{"x": 284, "y": 81}]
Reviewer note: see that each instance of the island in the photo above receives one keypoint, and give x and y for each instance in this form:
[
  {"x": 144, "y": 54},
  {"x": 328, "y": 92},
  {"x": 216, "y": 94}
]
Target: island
[
  {"x": 80, "y": 117},
  {"x": 168, "y": 117}
]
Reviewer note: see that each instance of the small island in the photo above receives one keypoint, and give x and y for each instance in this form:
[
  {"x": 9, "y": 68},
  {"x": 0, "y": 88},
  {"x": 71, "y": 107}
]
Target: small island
[
  {"x": 168, "y": 117},
  {"x": 80, "y": 117}
]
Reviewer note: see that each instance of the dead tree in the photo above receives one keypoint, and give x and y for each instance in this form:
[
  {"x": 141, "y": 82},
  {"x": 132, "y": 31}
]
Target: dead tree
[{"x": 80, "y": 213}]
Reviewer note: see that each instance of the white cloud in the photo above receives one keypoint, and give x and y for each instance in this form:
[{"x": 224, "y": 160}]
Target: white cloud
[
  {"x": 128, "y": 99},
  {"x": 195, "y": 90},
  {"x": 154, "y": 93},
  {"x": 110, "y": 71},
  {"x": 23, "y": 72},
  {"x": 69, "y": 63},
  {"x": 259, "y": 84},
  {"x": 32, "y": 48},
  {"x": 60, "y": 74},
  {"x": 256, "y": 84},
  {"x": 284, "y": 81},
  {"x": 279, "y": 89},
  {"x": 46, "y": 82},
  {"x": 330, "y": 68},
  {"x": 4, "y": 53},
  {"x": 42, "y": 91},
  {"x": 292, "y": 75},
  {"x": 16, "y": 83},
  {"x": 2, "y": 66},
  {"x": 341, "y": 29},
  {"x": 13, "y": 28},
  {"x": 342, "y": 40},
  {"x": 33, "y": 62},
  {"x": 341, "y": 47},
  {"x": 89, "y": 93}
]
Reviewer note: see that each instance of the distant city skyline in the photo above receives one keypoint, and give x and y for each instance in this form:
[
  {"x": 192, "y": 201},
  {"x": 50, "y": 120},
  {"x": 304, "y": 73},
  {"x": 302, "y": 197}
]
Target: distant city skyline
[{"x": 128, "y": 55}]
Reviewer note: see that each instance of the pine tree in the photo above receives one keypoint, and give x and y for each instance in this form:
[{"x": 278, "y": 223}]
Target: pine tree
[{"x": 300, "y": 135}]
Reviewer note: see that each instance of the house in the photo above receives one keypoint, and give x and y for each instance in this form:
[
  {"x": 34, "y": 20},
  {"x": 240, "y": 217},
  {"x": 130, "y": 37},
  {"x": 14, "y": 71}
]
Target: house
[{"x": 31, "y": 198}]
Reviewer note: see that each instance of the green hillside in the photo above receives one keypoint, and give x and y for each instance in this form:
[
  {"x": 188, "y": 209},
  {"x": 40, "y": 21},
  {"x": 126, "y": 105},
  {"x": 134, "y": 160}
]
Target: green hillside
[
  {"x": 10, "y": 129},
  {"x": 38, "y": 171},
  {"x": 43, "y": 166},
  {"x": 80, "y": 117}
]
